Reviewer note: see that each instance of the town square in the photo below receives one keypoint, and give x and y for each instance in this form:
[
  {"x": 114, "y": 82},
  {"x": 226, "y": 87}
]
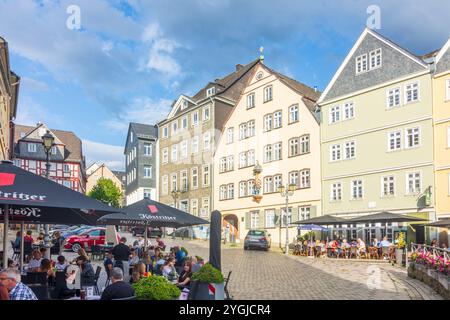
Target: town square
[{"x": 224, "y": 151}]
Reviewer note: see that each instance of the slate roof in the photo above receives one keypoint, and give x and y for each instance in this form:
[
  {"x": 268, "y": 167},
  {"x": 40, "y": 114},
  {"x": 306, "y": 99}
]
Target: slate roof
[{"x": 144, "y": 129}]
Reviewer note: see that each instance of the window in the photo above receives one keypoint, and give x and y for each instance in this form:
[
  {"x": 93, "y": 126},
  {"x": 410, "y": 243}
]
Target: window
[
  {"x": 388, "y": 186},
  {"x": 336, "y": 191},
  {"x": 210, "y": 91},
  {"x": 412, "y": 92},
  {"x": 67, "y": 184},
  {"x": 205, "y": 206},
  {"x": 174, "y": 182},
  {"x": 304, "y": 213},
  {"x": 194, "y": 207},
  {"x": 447, "y": 89},
  {"x": 251, "y": 158},
  {"x": 277, "y": 152},
  {"x": 393, "y": 98},
  {"x": 448, "y": 137},
  {"x": 304, "y": 144},
  {"x": 206, "y": 176},
  {"x": 230, "y": 135},
  {"x": 206, "y": 113},
  {"x": 305, "y": 181},
  {"x": 293, "y": 147},
  {"x": 277, "y": 182},
  {"x": 243, "y": 160},
  {"x": 270, "y": 218},
  {"x": 395, "y": 141},
  {"x": 293, "y": 114},
  {"x": 194, "y": 177},
  {"x": 267, "y": 122},
  {"x": 230, "y": 163},
  {"x": 250, "y": 101},
  {"x": 184, "y": 104},
  {"x": 335, "y": 114},
  {"x": 174, "y": 153},
  {"x": 414, "y": 185},
  {"x": 268, "y": 185},
  {"x": 223, "y": 192},
  {"x": 268, "y": 94},
  {"x": 147, "y": 193},
  {"x": 184, "y": 149},
  {"x": 242, "y": 131},
  {"x": 147, "y": 172},
  {"x": 54, "y": 150},
  {"x": 251, "y": 128},
  {"x": 184, "y": 122},
  {"x": 184, "y": 180},
  {"x": 207, "y": 141},
  {"x": 195, "y": 145},
  {"x": 242, "y": 189},
  {"x": 268, "y": 153},
  {"x": 335, "y": 152},
  {"x": 254, "y": 219},
  {"x": 350, "y": 150},
  {"x": 148, "y": 149},
  {"x": 230, "y": 189},
  {"x": 165, "y": 185},
  {"x": 293, "y": 178},
  {"x": 31, "y": 147},
  {"x": 174, "y": 127},
  {"x": 66, "y": 168},
  {"x": 223, "y": 165},
  {"x": 357, "y": 189},
  {"x": 131, "y": 136},
  {"x": 412, "y": 137},
  {"x": 250, "y": 187},
  {"x": 194, "y": 119},
  {"x": 165, "y": 131},
  {"x": 165, "y": 158},
  {"x": 375, "y": 59},
  {"x": 277, "y": 121},
  {"x": 286, "y": 218},
  {"x": 349, "y": 110},
  {"x": 361, "y": 64}
]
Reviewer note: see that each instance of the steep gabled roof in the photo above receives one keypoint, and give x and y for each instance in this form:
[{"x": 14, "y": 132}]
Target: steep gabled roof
[
  {"x": 142, "y": 130},
  {"x": 443, "y": 50}
]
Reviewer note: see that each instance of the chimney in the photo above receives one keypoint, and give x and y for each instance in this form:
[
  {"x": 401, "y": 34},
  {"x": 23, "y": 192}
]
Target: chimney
[{"x": 239, "y": 67}]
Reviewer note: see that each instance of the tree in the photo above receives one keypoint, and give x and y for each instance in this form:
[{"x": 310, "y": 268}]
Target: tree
[{"x": 106, "y": 191}]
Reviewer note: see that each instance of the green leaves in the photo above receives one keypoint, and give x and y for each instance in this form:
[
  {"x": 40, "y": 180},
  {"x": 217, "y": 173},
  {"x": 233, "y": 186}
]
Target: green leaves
[
  {"x": 156, "y": 288},
  {"x": 208, "y": 274},
  {"x": 106, "y": 191}
]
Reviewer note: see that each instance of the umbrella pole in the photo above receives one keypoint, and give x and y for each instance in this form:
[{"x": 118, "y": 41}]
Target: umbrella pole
[
  {"x": 145, "y": 237},
  {"x": 22, "y": 245},
  {"x": 5, "y": 235}
]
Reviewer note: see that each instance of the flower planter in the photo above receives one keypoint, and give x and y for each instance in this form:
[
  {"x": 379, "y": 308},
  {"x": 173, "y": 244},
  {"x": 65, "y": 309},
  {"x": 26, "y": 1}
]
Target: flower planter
[
  {"x": 399, "y": 256},
  {"x": 207, "y": 291}
]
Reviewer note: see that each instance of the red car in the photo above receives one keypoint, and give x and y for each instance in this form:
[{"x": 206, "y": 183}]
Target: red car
[{"x": 86, "y": 239}]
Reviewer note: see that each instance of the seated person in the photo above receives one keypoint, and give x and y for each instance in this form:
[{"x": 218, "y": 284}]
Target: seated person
[
  {"x": 118, "y": 289},
  {"x": 17, "y": 241},
  {"x": 196, "y": 263},
  {"x": 133, "y": 258},
  {"x": 108, "y": 264},
  {"x": 361, "y": 246},
  {"x": 184, "y": 280},
  {"x": 42, "y": 250},
  {"x": 139, "y": 272},
  {"x": 385, "y": 242},
  {"x": 147, "y": 261},
  {"x": 169, "y": 272},
  {"x": 87, "y": 272},
  {"x": 158, "y": 264},
  {"x": 61, "y": 264},
  {"x": 28, "y": 237},
  {"x": 35, "y": 261},
  {"x": 46, "y": 266},
  {"x": 180, "y": 255},
  {"x": 160, "y": 243},
  {"x": 40, "y": 239}
]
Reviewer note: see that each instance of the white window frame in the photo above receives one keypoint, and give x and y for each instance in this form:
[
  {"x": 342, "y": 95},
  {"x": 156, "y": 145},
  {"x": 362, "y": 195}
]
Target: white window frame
[
  {"x": 175, "y": 127},
  {"x": 206, "y": 174},
  {"x": 242, "y": 131},
  {"x": 250, "y": 100},
  {"x": 194, "y": 207},
  {"x": 148, "y": 169},
  {"x": 210, "y": 91},
  {"x": 383, "y": 194},
  {"x": 359, "y": 185},
  {"x": 207, "y": 140},
  {"x": 165, "y": 132},
  {"x": 268, "y": 93},
  {"x": 230, "y": 163},
  {"x": 148, "y": 149},
  {"x": 412, "y": 84},
  {"x": 205, "y": 116},
  {"x": 359, "y": 64},
  {"x": 254, "y": 219},
  {"x": 269, "y": 218},
  {"x": 304, "y": 213},
  {"x": 251, "y": 158},
  {"x": 165, "y": 155},
  {"x": 195, "y": 145},
  {"x": 195, "y": 115},
  {"x": 32, "y": 147},
  {"x": 268, "y": 122},
  {"x": 419, "y": 133},
  {"x": 243, "y": 189},
  {"x": 397, "y": 135},
  {"x": 230, "y": 135},
  {"x": 230, "y": 191},
  {"x": 194, "y": 185},
  {"x": 165, "y": 185},
  {"x": 335, "y": 149},
  {"x": 416, "y": 192},
  {"x": 173, "y": 181},
  {"x": 336, "y": 188},
  {"x": 293, "y": 114},
  {"x": 305, "y": 178},
  {"x": 305, "y": 142},
  {"x": 267, "y": 153},
  {"x": 184, "y": 149},
  {"x": 391, "y": 95},
  {"x": 335, "y": 114},
  {"x": 250, "y": 187},
  {"x": 184, "y": 180},
  {"x": 277, "y": 119},
  {"x": 184, "y": 122},
  {"x": 294, "y": 145},
  {"x": 349, "y": 107},
  {"x": 351, "y": 145},
  {"x": 174, "y": 151},
  {"x": 242, "y": 159},
  {"x": 251, "y": 132},
  {"x": 378, "y": 55},
  {"x": 277, "y": 151}
]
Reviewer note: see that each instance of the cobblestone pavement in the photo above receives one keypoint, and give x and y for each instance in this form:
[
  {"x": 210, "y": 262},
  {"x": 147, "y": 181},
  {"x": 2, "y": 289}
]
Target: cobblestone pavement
[{"x": 273, "y": 276}]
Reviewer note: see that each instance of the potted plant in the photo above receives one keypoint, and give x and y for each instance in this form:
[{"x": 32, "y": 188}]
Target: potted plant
[
  {"x": 401, "y": 244},
  {"x": 156, "y": 288},
  {"x": 207, "y": 284}
]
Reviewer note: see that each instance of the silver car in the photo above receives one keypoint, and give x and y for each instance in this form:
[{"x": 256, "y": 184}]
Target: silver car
[{"x": 259, "y": 239}]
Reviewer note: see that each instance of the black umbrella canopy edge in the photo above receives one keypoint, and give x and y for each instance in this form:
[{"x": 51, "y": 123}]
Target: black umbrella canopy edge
[
  {"x": 384, "y": 216},
  {"x": 323, "y": 220},
  {"x": 445, "y": 223}
]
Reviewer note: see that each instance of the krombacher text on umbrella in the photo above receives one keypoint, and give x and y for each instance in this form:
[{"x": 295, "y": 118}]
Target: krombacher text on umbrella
[
  {"x": 22, "y": 196},
  {"x": 27, "y": 212},
  {"x": 159, "y": 218}
]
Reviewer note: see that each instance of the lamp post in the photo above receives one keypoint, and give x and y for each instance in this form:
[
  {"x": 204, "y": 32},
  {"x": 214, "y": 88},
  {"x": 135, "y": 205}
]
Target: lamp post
[
  {"x": 286, "y": 192},
  {"x": 47, "y": 142}
]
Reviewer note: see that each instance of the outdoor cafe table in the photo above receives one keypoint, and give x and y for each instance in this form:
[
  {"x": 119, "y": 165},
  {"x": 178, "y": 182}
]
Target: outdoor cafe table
[{"x": 87, "y": 298}]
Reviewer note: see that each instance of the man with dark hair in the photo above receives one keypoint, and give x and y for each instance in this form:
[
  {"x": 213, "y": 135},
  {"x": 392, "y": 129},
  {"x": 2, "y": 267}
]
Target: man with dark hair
[
  {"x": 118, "y": 289},
  {"x": 121, "y": 254}
]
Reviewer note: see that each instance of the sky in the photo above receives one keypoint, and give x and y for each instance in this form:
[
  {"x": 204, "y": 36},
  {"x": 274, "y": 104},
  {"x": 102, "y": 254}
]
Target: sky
[{"x": 128, "y": 60}]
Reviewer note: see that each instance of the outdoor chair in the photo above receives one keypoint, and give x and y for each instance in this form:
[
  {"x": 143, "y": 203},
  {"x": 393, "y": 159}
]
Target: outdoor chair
[
  {"x": 318, "y": 251},
  {"x": 353, "y": 252},
  {"x": 16, "y": 250},
  {"x": 225, "y": 288},
  {"x": 97, "y": 276},
  {"x": 27, "y": 250},
  {"x": 36, "y": 278},
  {"x": 385, "y": 252},
  {"x": 128, "y": 298},
  {"x": 54, "y": 250},
  {"x": 373, "y": 253},
  {"x": 96, "y": 251},
  {"x": 41, "y": 291}
]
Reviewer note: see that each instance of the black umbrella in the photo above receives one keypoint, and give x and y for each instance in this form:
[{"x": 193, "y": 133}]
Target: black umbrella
[
  {"x": 441, "y": 223},
  {"x": 27, "y": 197},
  {"x": 215, "y": 233},
  {"x": 323, "y": 220},
  {"x": 384, "y": 217}
]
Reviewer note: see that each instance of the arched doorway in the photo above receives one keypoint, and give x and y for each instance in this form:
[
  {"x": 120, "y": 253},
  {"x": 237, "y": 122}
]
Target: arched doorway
[{"x": 233, "y": 221}]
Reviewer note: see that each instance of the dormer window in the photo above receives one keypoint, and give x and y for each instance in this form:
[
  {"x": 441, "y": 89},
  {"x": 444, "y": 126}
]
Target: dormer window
[
  {"x": 369, "y": 61},
  {"x": 54, "y": 150},
  {"x": 375, "y": 59},
  {"x": 361, "y": 64},
  {"x": 31, "y": 147},
  {"x": 210, "y": 91},
  {"x": 184, "y": 104}
]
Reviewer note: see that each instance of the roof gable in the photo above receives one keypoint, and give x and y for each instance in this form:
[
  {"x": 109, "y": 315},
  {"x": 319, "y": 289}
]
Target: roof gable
[
  {"x": 396, "y": 62},
  {"x": 36, "y": 134},
  {"x": 177, "y": 106},
  {"x": 443, "y": 58}
]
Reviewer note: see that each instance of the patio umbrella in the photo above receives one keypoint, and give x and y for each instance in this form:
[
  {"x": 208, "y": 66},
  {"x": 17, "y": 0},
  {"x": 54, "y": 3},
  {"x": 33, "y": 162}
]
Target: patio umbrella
[
  {"x": 30, "y": 198},
  {"x": 312, "y": 227},
  {"x": 214, "y": 239},
  {"x": 323, "y": 220},
  {"x": 441, "y": 223},
  {"x": 383, "y": 217}
]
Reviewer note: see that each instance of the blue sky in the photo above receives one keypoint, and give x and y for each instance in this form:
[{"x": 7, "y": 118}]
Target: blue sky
[{"x": 131, "y": 59}]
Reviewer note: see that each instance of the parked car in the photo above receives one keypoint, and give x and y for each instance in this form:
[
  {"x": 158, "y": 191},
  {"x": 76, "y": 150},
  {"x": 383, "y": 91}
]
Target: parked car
[
  {"x": 74, "y": 231},
  {"x": 151, "y": 232},
  {"x": 257, "y": 239},
  {"x": 86, "y": 239}
]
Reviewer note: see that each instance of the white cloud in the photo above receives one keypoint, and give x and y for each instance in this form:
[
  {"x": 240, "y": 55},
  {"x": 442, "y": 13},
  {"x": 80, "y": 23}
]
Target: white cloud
[
  {"x": 33, "y": 84},
  {"x": 29, "y": 112},
  {"x": 110, "y": 155},
  {"x": 141, "y": 110}
]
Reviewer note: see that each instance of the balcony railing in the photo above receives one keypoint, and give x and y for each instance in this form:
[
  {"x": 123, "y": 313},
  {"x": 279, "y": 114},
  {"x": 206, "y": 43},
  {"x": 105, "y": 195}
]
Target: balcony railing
[{"x": 435, "y": 252}]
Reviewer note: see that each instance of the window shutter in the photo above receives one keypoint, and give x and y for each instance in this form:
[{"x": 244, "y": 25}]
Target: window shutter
[
  {"x": 247, "y": 220},
  {"x": 262, "y": 219},
  {"x": 294, "y": 215},
  {"x": 313, "y": 211}
]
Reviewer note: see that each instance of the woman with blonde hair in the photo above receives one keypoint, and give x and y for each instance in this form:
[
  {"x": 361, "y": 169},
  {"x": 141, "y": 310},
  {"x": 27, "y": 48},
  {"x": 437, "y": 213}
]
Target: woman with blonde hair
[{"x": 139, "y": 272}]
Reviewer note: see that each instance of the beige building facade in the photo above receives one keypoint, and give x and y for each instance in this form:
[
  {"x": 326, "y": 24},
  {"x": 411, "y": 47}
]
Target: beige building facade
[
  {"x": 96, "y": 171},
  {"x": 273, "y": 124}
]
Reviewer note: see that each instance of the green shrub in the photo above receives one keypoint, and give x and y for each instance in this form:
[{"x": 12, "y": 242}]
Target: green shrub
[
  {"x": 156, "y": 288},
  {"x": 208, "y": 274}
]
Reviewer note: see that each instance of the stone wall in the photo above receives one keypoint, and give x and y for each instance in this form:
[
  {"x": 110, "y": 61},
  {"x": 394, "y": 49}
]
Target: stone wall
[{"x": 433, "y": 278}]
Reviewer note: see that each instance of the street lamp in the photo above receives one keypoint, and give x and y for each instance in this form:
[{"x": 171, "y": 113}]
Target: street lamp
[
  {"x": 286, "y": 192},
  {"x": 47, "y": 142}
]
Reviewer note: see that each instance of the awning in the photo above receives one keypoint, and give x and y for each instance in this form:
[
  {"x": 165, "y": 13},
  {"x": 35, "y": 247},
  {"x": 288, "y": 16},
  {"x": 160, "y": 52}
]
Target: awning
[
  {"x": 323, "y": 220},
  {"x": 383, "y": 216}
]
